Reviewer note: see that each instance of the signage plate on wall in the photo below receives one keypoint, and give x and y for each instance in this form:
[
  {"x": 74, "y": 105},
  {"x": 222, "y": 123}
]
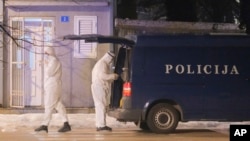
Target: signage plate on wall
[{"x": 64, "y": 19}]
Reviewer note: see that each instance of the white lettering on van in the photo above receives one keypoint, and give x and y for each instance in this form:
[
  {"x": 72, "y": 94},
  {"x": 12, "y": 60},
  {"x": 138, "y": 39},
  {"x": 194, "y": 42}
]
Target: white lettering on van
[
  {"x": 216, "y": 69},
  {"x": 189, "y": 70},
  {"x": 180, "y": 69},
  {"x": 202, "y": 69},
  {"x": 168, "y": 68},
  {"x": 207, "y": 69},
  {"x": 199, "y": 69},
  {"x": 234, "y": 70}
]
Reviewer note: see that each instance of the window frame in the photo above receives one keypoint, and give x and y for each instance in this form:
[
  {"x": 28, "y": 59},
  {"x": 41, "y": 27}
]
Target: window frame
[{"x": 82, "y": 49}]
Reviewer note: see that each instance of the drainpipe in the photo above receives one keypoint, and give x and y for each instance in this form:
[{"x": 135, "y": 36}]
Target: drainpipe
[
  {"x": 112, "y": 19},
  {"x": 112, "y": 15},
  {"x": 1, "y": 53}
]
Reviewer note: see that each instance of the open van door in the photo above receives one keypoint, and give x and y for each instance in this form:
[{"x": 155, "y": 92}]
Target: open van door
[
  {"x": 101, "y": 39},
  {"x": 122, "y": 60}
]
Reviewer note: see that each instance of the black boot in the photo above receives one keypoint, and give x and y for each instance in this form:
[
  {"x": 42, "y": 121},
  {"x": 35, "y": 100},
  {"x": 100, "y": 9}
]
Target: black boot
[
  {"x": 66, "y": 127},
  {"x": 105, "y": 128},
  {"x": 42, "y": 128}
]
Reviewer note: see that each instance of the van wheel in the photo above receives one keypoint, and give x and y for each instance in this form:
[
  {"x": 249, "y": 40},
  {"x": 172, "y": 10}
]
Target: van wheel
[{"x": 162, "y": 118}]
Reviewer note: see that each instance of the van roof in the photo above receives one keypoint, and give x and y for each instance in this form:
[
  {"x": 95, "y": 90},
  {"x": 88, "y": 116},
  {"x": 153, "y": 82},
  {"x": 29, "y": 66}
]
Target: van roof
[{"x": 190, "y": 40}]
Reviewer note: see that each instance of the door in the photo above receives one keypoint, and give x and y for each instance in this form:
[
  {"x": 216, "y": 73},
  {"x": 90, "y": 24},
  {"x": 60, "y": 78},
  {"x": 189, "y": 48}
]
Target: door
[{"x": 27, "y": 69}]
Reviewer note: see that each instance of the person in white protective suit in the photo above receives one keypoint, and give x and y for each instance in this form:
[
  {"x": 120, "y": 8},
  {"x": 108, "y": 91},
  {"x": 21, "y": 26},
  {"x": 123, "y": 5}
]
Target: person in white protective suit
[
  {"x": 101, "y": 82},
  {"x": 52, "y": 88}
]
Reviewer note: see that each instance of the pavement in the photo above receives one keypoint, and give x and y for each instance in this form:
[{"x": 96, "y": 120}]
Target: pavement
[
  {"x": 20, "y": 127},
  {"x": 18, "y": 135},
  {"x": 79, "y": 134},
  {"x": 118, "y": 134},
  {"x": 28, "y": 134}
]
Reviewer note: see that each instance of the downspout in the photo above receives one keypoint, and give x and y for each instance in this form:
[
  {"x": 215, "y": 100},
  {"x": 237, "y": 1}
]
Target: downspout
[
  {"x": 112, "y": 4},
  {"x": 113, "y": 15},
  {"x": 1, "y": 52}
]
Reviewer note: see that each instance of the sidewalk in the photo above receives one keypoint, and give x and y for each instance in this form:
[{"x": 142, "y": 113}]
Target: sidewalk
[
  {"x": 118, "y": 134},
  {"x": 9, "y": 122},
  {"x": 20, "y": 127},
  {"x": 17, "y": 135},
  {"x": 41, "y": 110}
]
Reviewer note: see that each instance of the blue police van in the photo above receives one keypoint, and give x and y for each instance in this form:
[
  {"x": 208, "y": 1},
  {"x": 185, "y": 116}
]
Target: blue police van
[{"x": 165, "y": 79}]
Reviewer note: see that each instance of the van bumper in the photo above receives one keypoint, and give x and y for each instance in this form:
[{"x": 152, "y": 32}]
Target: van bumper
[{"x": 125, "y": 115}]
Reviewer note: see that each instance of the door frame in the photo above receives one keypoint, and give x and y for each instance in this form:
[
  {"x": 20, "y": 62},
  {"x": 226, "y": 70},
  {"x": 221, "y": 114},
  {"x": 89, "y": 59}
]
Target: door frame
[{"x": 18, "y": 96}]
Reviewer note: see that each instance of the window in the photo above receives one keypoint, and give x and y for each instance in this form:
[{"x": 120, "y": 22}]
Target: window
[{"x": 85, "y": 25}]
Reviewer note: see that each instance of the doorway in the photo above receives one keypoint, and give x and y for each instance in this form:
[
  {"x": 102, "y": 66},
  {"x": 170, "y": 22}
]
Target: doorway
[{"x": 30, "y": 35}]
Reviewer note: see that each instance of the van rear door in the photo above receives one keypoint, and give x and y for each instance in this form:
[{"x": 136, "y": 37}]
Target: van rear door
[{"x": 120, "y": 62}]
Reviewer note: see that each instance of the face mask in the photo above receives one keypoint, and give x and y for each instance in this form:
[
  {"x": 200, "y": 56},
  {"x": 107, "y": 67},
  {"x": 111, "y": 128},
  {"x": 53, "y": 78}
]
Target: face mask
[{"x": 46, "y": 56}]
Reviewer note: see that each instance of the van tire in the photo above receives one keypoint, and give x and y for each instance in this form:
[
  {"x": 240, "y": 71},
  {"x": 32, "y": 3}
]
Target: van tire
[{"x": 162, "y": 118}]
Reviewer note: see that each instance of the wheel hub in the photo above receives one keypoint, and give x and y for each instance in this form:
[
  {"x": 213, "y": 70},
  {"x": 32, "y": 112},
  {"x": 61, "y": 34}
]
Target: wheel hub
[{"x": 162, "y": 119}]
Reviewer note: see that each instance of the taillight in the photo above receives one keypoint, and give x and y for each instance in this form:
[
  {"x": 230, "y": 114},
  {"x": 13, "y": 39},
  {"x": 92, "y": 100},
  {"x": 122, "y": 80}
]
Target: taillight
[{"x": 126, "y": 89}]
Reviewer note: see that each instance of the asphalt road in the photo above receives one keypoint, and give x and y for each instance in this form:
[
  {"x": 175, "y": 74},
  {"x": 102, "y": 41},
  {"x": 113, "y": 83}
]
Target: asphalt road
[{"x": 27, "y": 134}]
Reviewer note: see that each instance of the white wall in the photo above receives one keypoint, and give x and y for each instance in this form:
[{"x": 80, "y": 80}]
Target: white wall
[{"x": 76, "y": 72}]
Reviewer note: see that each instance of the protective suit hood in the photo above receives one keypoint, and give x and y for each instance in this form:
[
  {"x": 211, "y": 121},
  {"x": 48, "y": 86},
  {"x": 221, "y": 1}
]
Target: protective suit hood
[
  {"x": 108, "y": 57},
  {"x": 50, "y": 51}
]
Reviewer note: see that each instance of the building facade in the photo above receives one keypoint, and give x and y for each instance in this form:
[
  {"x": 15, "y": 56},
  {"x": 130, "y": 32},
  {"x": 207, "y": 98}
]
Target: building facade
[{"x": 35, "y": 24}]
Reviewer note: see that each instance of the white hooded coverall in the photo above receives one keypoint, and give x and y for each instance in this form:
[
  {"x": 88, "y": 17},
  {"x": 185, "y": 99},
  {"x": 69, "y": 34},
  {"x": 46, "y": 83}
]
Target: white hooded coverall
[
  {"x": 101, "y": 82},
  {"x": 53, "y": 87}
]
